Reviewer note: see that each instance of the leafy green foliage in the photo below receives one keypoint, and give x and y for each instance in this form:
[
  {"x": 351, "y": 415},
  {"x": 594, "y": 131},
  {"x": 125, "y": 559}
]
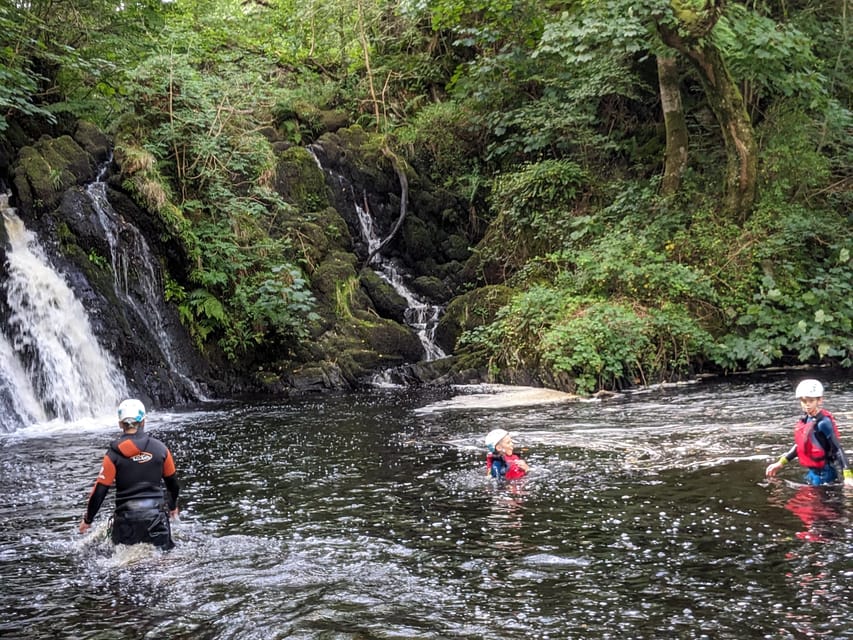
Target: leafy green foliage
[
  {"x": 543, "y": 116},
  {"x": 809, "y": 320},
  {"x": 445, "y": 140},
  {"x": 598, "y": 343},
  {"x": 771, "y": 57},
  {"x": 19, "y": 80},
  {"x": 534, "y": 208}
]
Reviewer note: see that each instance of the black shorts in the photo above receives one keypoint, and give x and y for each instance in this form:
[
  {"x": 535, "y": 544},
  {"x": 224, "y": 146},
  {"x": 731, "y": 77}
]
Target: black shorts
[{"x": 132, "y": 526}]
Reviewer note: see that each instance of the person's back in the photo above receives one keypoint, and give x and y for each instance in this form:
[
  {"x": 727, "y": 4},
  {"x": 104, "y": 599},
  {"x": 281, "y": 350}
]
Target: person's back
[{"x": 137, "y": 465}]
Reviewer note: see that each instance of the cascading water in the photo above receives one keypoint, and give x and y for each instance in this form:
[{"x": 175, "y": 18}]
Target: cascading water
[
  {"x": 52, "y": 365},
  {"x": 136, "y": 277},
  {"x": 420, "y": 316}
]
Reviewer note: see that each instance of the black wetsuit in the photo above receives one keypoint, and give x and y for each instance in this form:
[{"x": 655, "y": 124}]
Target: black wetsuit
[{"x": 138, "y": 465}]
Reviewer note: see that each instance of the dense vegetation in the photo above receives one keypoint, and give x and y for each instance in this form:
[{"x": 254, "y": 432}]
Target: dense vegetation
[{"x": 662, "y": 185}]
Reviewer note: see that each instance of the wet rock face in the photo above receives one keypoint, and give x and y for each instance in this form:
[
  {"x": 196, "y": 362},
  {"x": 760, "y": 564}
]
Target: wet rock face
[
  {"x": 49, "y": 178},
  {"x": 433, "y": 234},
  {"x": 50, "y": 197}
]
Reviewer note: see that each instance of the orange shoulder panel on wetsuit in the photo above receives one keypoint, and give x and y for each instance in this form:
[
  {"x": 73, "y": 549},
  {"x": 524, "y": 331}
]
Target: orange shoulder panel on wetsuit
[
  {"x": 169, "y": 465},
  {"x": 107, "y": 474}
]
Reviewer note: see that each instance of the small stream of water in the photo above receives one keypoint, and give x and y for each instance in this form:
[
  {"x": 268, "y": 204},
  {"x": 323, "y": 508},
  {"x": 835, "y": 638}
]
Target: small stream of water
[{"x": 369, "y": 515}]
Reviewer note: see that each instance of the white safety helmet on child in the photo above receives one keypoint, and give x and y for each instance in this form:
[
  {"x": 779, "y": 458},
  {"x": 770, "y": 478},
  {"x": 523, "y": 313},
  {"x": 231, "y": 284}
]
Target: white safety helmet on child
[
  {"x": 809, "y": 389},
  {"x": 131, "y": 411},
  {"x": 495, "y": 436}
]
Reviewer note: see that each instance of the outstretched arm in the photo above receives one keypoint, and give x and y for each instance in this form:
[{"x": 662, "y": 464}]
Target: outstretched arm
[
  {"x": 774, "y": 468},
  {"x": 106, "y": 478},
  {"x": 96, "y": 499}
]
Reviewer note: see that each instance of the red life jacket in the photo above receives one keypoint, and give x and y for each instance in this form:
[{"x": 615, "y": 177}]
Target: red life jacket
[
  {"x": 810, "y": 450},
  {"x": 504, "y": 466}
]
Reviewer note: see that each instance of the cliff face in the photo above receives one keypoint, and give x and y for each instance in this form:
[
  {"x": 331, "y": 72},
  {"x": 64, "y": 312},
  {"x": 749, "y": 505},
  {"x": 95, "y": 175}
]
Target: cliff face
[
  {"x": 92, "y": 239},
  {"x": 115, "y": 255}
]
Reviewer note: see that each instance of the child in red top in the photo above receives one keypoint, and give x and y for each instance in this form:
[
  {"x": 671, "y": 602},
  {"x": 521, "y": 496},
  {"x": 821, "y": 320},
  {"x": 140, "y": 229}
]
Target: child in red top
[
  {"x": 816, "y": 441},
  {"x": 500, "y": 462}
]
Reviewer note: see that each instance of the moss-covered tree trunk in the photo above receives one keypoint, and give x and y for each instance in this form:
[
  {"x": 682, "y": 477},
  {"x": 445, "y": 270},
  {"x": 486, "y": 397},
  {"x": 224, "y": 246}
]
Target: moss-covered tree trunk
[
  {"x": 675, "y": 157},
  {"x": 692, "y": 37}
]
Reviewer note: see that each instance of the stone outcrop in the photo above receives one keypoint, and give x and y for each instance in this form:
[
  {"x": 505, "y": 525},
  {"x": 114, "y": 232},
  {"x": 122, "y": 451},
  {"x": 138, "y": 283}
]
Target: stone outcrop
[{"x": 359, "y": 328}]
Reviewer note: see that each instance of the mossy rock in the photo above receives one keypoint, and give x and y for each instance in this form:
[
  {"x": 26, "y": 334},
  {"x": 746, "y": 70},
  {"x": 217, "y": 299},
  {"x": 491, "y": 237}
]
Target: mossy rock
[
  {"x": 456, "y": 247},
  {"x": 432, "y": 288},
  {"x": 333, "y": 120},
  {"x": 300, "y": 181},
  {"x": 391, "y": 338},
  {"x": 357, "y": 364},
  {"x": 358, "y": 153},
  {"x": 93, "y": 140},
  {"x": 387, "y": 302},
  {"x": 46, "y": 169},
  {"x": 468, "y": 311},
  {"x": 418, "y": 238},
  {"x": 322, "y": 234},
  {"x": 336, "y": 268},
  {"x": 334, "y": 228}
]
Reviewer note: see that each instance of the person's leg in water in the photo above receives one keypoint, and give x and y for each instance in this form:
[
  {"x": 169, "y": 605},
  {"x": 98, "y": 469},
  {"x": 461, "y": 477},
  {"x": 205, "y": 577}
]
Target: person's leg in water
[{"x": 138, "y": 526}]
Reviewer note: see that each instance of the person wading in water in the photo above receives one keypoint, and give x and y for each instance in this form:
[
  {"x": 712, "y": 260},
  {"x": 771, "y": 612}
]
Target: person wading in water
[
  {"x": 817, "y": 445},
  {"x": 138, "y": 465}
]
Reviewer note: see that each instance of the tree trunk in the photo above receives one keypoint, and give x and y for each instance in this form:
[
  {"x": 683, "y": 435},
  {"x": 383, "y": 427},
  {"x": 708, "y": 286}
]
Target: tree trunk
[
  {"x": 675, "y": 157},
  {"x": 693, "y": 39}
]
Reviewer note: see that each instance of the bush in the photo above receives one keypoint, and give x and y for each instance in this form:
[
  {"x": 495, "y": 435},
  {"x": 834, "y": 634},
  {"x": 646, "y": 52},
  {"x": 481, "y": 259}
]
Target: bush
[{"x": 598, "y": 343}]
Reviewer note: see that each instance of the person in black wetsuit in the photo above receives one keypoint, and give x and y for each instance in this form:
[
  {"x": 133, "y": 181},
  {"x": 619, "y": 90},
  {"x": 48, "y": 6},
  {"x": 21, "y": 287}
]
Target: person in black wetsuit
[{"x": 138, "y": 465}]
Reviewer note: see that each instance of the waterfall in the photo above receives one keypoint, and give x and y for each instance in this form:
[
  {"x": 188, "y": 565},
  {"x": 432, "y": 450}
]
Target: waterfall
[
  {"x": 421, "y": 316},
  {"x": 137, "y": 278},
  {"x": 52, "y": 365}
]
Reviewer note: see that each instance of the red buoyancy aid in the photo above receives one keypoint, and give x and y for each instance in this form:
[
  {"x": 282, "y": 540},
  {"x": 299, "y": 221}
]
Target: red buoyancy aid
[
  {"x": 810, "y": 451},
  {"x": 513, "y": 471}
]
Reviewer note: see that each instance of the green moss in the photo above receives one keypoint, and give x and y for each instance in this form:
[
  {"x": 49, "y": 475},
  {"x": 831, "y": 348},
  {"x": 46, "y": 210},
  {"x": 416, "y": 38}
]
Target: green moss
[
  {"x": 300, "y": 181},
  {"x": 469, "y": 311},
  {"x": 336, "y": 268}
]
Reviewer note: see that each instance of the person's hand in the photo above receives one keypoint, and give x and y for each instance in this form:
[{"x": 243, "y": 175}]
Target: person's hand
[
  {"x": 84, "y": 527},
  {"x": 523, "y": 465},
  {"x": 773, "y": 469},
  {"x": 173, "y": 513}
]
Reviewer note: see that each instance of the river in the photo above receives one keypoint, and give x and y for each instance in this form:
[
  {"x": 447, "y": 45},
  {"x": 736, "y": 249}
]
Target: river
[{"x": 368, "y": 515}]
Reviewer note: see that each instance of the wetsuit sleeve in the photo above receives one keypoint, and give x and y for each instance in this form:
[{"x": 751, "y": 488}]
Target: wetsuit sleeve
[
  {"x": 173, "y": 489},
  {"x": 824, "y": 427},
  {"x": 792, "y": 453},
  {"x": 96, "y": 499},
  {"x": 170, "y": 477},
  {"x": 169, "y": 465},
  {"x": 106, "y": 477}
]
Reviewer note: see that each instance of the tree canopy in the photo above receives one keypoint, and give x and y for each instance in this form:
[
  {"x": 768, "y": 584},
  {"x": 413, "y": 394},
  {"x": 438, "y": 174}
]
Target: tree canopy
[{"x": 663, "y": 184}]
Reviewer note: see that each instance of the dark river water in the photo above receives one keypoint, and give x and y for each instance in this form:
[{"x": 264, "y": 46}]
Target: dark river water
[{"x": 369, "y": 515}]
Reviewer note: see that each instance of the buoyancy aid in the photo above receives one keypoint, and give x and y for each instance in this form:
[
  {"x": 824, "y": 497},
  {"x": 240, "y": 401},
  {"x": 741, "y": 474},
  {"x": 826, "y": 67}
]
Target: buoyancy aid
[
  {"x": 505, "y": 467},
  {"x": 140, "y": 463},
  {"x": 811, "y": 444}
]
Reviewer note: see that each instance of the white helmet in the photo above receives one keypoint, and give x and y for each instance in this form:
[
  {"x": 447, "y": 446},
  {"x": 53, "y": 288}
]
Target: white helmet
[
  {"x": 495, "y": 436},
  {"x": 809, "y": 389},
  {"x": 131, "y": 411}
]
